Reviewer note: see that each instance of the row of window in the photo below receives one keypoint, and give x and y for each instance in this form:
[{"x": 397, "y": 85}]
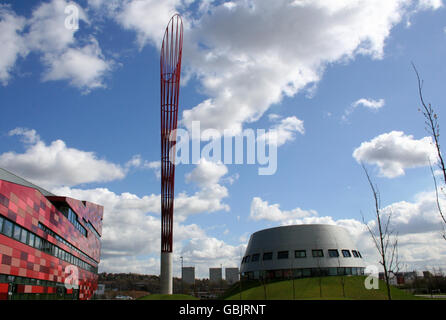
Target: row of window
[
  {"x": 305, "y": 272},
  {"x": 72, "y": 217},
  {"x": 13, "y": 230},
  {"x": 13, "y": 281},
  {"x": 92, "y": 229},
  {"x": 65, "y": 242},
  {"x": 5, "y": 278},
  {"x": 316, "y": 253}
]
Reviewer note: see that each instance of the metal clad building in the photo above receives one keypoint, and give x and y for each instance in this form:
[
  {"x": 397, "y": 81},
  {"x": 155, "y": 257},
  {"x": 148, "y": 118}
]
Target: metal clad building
[
  {"x": 50, "y": 246},
  {"x": 231, "y": 275},
  {"x": 301, "y": 251},
  {"x": 188, "y": 275},
  {"x": 215, "y": 275}
]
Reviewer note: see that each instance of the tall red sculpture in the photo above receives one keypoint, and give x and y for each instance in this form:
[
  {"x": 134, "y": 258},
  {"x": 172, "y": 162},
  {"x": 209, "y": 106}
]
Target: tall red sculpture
[{"x": 170, "y": 69}]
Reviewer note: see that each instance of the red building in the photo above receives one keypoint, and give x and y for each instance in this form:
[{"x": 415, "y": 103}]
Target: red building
[{"x": 50, "y": 246}]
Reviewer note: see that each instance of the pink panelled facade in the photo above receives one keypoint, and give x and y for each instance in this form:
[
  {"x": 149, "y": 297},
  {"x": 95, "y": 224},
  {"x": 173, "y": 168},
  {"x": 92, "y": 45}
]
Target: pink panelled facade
[{"x": 38, "y": 244}]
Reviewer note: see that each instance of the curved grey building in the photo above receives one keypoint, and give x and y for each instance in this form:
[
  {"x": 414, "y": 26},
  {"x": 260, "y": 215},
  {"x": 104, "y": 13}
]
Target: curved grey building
[{"x": 301, "y": 251}]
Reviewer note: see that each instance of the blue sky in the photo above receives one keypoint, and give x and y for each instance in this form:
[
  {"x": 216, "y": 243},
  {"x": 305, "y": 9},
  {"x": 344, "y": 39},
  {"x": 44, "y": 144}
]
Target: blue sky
[{"x": 80, "y": 116}]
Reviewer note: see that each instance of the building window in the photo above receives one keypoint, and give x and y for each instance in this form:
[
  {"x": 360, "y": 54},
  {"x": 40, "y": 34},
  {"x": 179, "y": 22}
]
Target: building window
[
  {"x": 267, "y": 256},
  {"x": 359, "y": 253},
  {"x": 306, "y": 272},
  {"x": 247, "y": 259},
  {"x": 333, "y": 253},
  {"x": 317, "y": 253},
  {"x": 282, "y": 255},
  {"x": 300, "y": 254},
  {"x": 7, "y": 228},
  {"x": 355, "y": 254},
  {"x": 37, "y": 243},
  {"x": 17, "y": 231},
  {"x": 24, "y": 236},
  {"x": 332, "y": 271},
  {"x": 1, "y": 223},
  {"x": 72, "y": 217},
  {"x": 31, "y": 239},
  {"x": 346, "y": 253},
  {"x": 255, "y": 257}
]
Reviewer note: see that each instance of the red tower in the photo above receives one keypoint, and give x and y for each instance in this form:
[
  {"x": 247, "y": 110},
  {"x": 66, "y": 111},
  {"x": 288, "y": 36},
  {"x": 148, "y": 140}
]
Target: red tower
[{"x": 170, "y": 70}]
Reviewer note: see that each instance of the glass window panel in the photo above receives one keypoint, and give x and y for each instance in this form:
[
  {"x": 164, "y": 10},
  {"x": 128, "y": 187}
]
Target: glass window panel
[
  {"x": 17, "y": 232},
  {"x": 318, "y": 253},
  {"x": 268, "y": 256},
  {"x": 300, "y": 254},
  {"x": 24, "y": 236},
  {"x": 282, "y": 255},
  {"x": 31, "y": 237},
  {"x": 37, "y": 243},
  {"x": 1, "y": 223},
  {"x": 333, "y": 271},
  {"x": 7, "y": 228},
  {"x": 346, "y": 253},
  {"x": 255, "y": 257},
  {"x": 333, "y": 253}
]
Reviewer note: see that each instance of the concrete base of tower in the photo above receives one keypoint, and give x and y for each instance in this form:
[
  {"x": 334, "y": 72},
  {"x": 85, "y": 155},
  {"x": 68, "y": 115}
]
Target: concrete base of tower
[{"x": 166, "y": 273}]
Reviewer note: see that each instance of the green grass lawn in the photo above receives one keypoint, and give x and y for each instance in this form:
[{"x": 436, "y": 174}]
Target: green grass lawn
[
  {"x": 168, "y": 297},
  {"x": 309, "y": 288}
]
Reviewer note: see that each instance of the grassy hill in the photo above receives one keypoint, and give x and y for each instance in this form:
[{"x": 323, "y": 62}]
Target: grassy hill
[
  {"x": 309, "y": 288},
  {"x": 168, "y": 297}
]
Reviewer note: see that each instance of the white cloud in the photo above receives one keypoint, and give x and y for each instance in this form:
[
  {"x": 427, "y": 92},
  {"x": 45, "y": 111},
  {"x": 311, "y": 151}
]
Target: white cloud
[
  {"x": 84, "y": 67},
  {"x": 285, "y": 130},
  {"x": 207, "y": 173},
  {"x": 29, "y": 136},
  {"x": 419, "y": 216},
  {"x": 155, "y": 166},
  {"x": 148, "y": 18},
  {"x": 430, "y": 4},
  {"x": 55, "y": 164},
  {"x": 134, "y": 162},
  {"x": 394, "y": 152},
  {"x": 366, "y": 103},
  {"x": 369, "y": 103},
  {"x": 13, "y": 45},
  {"x": 131, "y": 231},
  {"x": 65, "y": 57},
  {"x": 261, "y": 210},
  {"x": 47, "y": 31},
  {"x": 250, "y": 57},
  {"x": 137, "y": 162}
]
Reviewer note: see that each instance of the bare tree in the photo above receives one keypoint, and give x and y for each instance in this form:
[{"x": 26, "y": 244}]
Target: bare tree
[
  {"x": 386, "y": 242},
  {"x": 433, "y": 128}
]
